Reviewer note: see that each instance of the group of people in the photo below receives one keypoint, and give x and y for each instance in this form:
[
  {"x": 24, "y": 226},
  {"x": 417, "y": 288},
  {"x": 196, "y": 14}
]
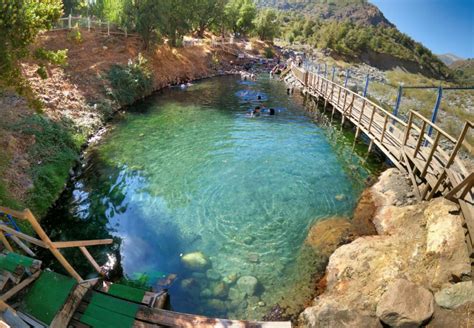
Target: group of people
[{"x": 257, "y": 111}]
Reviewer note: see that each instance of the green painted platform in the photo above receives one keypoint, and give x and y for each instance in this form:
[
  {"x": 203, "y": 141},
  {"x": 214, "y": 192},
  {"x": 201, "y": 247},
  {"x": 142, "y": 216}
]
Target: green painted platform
[
  {"x": 129, "y": 293},
  {"x": 47, "y": 296},
  {"x": 11, "y": 261},
  {"x": 109, "y": 312}
]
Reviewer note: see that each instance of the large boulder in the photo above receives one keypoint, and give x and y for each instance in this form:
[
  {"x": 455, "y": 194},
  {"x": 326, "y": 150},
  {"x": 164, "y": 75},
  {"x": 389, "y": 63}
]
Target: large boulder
[
  {"x": 334, "y": 315},
  {"x": 247, "y": 284},
  {"x": 405, "y": 304},
  {"x": 195, "y": 261},
  {"x": 445, "y": 242},
  {"x": 455, "y": 295}
]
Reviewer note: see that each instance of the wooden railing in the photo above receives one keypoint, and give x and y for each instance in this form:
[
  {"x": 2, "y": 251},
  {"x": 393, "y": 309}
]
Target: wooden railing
[
  {"x": 418, "y": 147},
  {"x": 45, "y": 242}
]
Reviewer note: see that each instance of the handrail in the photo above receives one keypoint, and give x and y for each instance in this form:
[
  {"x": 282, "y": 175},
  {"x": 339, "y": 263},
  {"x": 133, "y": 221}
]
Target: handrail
[{"x": 46, "y": 243}]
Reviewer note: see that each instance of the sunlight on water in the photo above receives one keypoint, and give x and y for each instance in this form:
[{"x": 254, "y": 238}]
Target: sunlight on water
[{"x": 190, "y": 171}]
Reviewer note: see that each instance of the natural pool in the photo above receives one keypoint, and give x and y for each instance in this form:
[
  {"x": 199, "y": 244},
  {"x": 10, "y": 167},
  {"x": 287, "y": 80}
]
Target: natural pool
[{"x": 189, "y": 171}]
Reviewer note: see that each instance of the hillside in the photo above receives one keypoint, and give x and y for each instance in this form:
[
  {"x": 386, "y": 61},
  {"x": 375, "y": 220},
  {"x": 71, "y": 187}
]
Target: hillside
[
  {"x": 448, "y": 59},
  {"x": 355, "y": 31},
  {"x": 354, "y": 11},
  {"x": 464, "y": 70}
]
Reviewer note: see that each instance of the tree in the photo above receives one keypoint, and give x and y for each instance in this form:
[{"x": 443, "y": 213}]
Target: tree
[
  {"x": 240, "y": 15},
  {"x": 144, "y": 17},
  {"x": 267, "y": 25},
  {"x": 20, "y": 23},
  {"x": 206, "y": 13}
]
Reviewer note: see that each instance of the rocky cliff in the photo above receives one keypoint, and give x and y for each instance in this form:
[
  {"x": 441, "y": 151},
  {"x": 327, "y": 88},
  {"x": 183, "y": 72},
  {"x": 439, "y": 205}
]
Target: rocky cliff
[{"x": 415, "y": 272}]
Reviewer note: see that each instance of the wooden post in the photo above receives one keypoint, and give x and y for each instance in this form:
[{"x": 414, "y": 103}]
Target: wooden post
[
  {"x": 384, "y": 129},
  {"x": 420, "y": 139},
  {"x": 90, "y": 259},
  {"x": 108, "y": 28},
  {"x": 430, "y": 156},
  {"x": 69, "y": 21},
  {"x": 371, "y": 119},
  {"x": 371, "y": 144},
  {"x": 44, "y": 237},
  {"x": 89, "y": 23},
  {"x": 458, "y": 145},
  {"x": 408, "y": 128},
  {"x": 126, "y": 35},
  {"x": 5, "y": 242}
]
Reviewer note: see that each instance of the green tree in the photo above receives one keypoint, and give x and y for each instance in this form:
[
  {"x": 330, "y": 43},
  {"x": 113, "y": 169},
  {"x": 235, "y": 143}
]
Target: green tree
[
  {"x": 20, "y": 23},
  {"x": 206, "y": 13},
  {"x": 240, "y": 15},
  {"x": 267, "y": 25},
  {"x": 144, "y": 17}
]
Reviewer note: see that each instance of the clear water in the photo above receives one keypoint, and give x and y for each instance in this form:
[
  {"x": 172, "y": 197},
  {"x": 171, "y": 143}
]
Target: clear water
[{"x": 189, "y": 170}]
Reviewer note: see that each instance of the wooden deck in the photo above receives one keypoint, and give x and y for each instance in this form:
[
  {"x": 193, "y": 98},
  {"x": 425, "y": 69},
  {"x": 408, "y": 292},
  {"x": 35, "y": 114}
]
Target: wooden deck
[{"x": 431, "y": 161}]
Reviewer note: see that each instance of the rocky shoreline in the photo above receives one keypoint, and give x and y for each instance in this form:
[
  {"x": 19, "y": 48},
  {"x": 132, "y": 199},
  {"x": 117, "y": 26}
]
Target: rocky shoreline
[{"x": 414, "y": 272}]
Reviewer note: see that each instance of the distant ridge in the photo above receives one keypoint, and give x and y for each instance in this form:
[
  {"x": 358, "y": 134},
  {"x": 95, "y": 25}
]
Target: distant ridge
[
  {"x": 448, "y": 59},
  {"x": 355, "y": 11}
]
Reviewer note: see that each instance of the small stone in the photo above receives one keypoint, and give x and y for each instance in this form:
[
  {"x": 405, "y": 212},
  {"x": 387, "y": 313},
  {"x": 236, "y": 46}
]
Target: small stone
[
  {"x": 206, "y": 293},
  {"x": 195, "y": 261},
  {"x": 340, "y": 197},
  {"x": 249, "y": 240},
  {"x": 405, "y": 304},
  {"x": 455, "y": 295},
  {"x": 247, "y": 284},
  {"x": 261, "y": 303},
  {"x": 217, "y": 305},
  {"x": 253, "y": 257},
  {"x": 236, "y": 295},
  {"x": 219, "y": 290},
  {"x": 230, "y": 279},
  {"x": 213, "y": 274}
]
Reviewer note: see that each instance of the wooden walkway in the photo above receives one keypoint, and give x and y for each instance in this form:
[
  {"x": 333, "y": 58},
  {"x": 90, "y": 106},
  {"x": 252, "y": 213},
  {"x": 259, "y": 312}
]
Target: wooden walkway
[{"x": 431, "y": 161}]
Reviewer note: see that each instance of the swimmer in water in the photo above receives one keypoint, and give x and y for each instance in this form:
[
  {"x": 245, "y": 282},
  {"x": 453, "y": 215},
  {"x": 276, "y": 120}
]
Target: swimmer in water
[
  {"x": 271, "y": 111},
  {"x": 259, "y": 97},
  {"x": 255, "y": 112}
]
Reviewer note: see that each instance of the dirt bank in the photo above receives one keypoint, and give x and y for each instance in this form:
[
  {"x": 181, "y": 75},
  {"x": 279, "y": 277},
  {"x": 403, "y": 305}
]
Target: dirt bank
[{"x": 40, "y": 148}]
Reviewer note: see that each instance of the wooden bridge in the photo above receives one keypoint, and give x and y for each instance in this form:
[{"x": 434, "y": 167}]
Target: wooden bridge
[{"x": 429, "y": 155}]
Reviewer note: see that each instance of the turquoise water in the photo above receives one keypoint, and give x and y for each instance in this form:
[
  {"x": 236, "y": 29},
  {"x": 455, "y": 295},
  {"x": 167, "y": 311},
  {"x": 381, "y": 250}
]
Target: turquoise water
[{"x": 189, "y": 171}]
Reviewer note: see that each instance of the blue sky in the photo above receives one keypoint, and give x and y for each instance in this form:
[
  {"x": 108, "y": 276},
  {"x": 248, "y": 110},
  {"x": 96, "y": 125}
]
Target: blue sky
[{"x": 444, "y": 26}]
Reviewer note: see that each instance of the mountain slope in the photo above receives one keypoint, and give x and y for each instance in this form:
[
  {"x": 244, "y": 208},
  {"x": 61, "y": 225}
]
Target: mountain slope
[
  {"x": 448, "y": 59},
  {"x": 464, "y": 70},
  {"x": 354, "y": 11}
]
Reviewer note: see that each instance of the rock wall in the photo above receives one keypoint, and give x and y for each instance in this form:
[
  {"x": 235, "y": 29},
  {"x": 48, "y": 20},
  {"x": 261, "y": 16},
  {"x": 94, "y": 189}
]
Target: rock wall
[{"x": 391, "y": 277}]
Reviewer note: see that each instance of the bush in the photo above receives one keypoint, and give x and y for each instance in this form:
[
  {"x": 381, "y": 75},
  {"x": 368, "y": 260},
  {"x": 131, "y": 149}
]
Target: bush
[
  {"x": 268, "y": 52},
  {"x": 75, "y": 35},
  {"x": 130, "y": 82},
  {"x": 58, "y": 57}
]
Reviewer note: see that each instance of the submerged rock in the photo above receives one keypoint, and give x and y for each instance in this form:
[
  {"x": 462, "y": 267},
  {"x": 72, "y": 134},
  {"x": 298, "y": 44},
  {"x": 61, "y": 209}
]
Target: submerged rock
[
  {"x": 327, "y": 235},
  {"x": 195, "y": 261},
  {"x": 455, "y": 295},
  {"x": 236, "y": 294},
  {"x": 230, "y": 279},
  {"x": 405, "y": 304},
  {"x": 219, "y": 290},
  {"x": 247, "y": 284},
  {"x": 217, "y": 305},
  {"x": 213, "y": 274}
]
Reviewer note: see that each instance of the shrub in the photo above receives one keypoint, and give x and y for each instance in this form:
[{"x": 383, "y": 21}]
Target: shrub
[
  {"x": 58, "y": 57},
  {"x": 75, "y": 35},
  {"x": 268, "y": 52},
  {"x": 130, "y": 82}
]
